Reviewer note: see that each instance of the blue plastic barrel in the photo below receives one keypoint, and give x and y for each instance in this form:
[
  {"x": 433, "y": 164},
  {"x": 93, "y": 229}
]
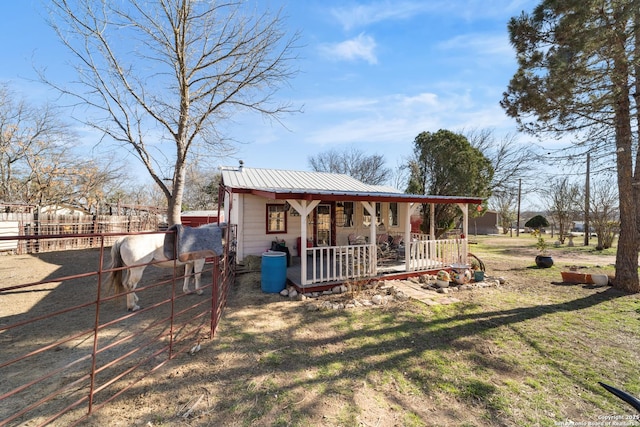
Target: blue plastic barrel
[{"x": 273, "y": 271}]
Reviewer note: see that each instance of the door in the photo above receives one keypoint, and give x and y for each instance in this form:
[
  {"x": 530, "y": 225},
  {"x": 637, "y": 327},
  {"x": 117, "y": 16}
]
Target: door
[{"x": 323, "y": 225}]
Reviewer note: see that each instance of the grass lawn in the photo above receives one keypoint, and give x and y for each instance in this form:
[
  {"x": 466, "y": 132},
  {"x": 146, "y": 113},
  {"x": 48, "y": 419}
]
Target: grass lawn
[{"x": 527, "y": 353}]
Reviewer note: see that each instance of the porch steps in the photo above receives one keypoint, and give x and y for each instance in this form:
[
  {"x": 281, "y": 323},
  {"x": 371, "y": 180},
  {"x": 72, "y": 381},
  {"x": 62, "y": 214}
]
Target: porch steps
[{"x": 426, "y": 296}]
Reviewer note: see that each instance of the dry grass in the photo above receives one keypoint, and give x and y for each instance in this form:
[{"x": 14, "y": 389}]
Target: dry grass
[{"x": 529, "y": 353}]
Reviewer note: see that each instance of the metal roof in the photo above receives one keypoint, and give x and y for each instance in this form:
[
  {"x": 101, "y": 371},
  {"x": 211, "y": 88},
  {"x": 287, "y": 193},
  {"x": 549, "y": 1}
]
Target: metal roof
[{"x": 290, "y": 184}]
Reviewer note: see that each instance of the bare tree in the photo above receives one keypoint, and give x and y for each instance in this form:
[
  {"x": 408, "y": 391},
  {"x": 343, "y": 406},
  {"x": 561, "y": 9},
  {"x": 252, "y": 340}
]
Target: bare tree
[
  {"x": 37, "y": 162},
  {"x": 564, "y": 204},
  {"x": 369, "y": 169},
  {"x": 171, "y": 71},
  {"x": 201, "y": 191},
  {"x": 603, "y": 212},
  {"x": 505, "y": 204},
  {"x": 400, "y": 175},
  {"x": 27, "y": 132},
  {"x": 511, "y": 160},
  {"x": 61, "y": 178}
]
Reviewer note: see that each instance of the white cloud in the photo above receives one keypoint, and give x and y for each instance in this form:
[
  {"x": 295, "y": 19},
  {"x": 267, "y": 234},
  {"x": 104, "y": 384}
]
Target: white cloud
[
  {"x": 480, "y": 44},
  {"x": 348, "y": 105},
  {"x": 422, "y": 98},
  {"x": 395, "y": 118},
  {"x": 363, "y": 15},
  {"x": 360, "y": 47}
]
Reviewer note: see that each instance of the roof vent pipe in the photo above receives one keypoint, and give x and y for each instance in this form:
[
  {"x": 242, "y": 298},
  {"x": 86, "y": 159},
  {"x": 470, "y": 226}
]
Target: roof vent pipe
[{"x": 241, "y": 165}]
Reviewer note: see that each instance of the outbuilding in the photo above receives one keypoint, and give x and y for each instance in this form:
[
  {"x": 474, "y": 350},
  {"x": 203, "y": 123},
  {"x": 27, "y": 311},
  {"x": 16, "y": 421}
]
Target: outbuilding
[{"x": 336, "y": 228}]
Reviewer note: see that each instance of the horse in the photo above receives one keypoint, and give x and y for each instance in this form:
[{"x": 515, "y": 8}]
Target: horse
[{"x": 142, "y": 249}]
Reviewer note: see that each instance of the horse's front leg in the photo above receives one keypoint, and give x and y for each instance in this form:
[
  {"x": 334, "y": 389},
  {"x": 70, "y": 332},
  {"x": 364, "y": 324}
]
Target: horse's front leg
[
  {"x": 188, "y": 268},
  {"x": 132, "y": 302},
  {"x": 198, "y": 265},
  {"x": 131, "y": 281}
]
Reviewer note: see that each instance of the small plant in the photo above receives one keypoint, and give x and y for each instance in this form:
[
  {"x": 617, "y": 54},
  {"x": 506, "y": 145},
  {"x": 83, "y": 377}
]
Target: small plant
[
  {"x": 541, "y": 244},
  {"x": 444, "y": 276},
  {"x": 537, "y": 223},
  {"x": 356, "y": 286}
]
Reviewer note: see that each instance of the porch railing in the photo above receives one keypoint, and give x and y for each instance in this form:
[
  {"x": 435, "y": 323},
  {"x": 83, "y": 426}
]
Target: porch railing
[
  {"x": 353, "y": 262},
  {"x": 428, "y": 254},
  {"x": 340, "y": 263}
]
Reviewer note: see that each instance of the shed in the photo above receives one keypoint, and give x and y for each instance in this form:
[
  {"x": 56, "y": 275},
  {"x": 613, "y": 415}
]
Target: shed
[{"x": 339, "y": 228}]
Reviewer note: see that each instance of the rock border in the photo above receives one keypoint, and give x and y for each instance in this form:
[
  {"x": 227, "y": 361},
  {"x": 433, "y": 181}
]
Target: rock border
[{"x": 385, "y": 293}]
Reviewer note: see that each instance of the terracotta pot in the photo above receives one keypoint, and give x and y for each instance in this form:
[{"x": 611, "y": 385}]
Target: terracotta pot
[
  {"x": 544, "y": 261},
  {"x": 575, "y": 277}
]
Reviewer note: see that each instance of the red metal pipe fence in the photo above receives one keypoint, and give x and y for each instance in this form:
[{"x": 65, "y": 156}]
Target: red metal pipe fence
[{"x": 68, "y": 347}]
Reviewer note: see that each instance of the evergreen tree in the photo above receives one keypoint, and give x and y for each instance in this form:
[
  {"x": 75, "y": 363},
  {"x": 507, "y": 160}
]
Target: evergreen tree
[
  {"x": 446, "y": 164},
  {"x": 578, "y": 67}
]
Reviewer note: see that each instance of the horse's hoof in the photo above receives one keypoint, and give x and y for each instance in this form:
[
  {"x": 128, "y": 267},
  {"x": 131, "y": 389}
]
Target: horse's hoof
[
  {"x": 134, "y": 308},
  {"x": 199, "y": 292}
]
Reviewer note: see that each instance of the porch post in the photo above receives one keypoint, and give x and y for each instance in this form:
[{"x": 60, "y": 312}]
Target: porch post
[
  {"x": 371, "y": 208},
  {"x": 464, "y": 207},
  {"x": 411, "y": 208},
  {"x": 432, "y": 225},
  {"x": 304, "y": 210}
]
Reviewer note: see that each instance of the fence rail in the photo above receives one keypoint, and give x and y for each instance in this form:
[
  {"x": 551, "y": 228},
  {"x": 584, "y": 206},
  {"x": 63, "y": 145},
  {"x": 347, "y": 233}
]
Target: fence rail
[
  {"x": 31, "y": 224},
  {"x": 70, "y": 347}
]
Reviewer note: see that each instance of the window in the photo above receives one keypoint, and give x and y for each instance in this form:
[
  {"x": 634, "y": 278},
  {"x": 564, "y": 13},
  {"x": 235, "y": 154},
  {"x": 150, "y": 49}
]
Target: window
[
  {"x": 393, "y": 214},
  {"x": 367, "y": 218},
  {"x": 344, "y": 214},
  {"x": 276, "y": 219}
]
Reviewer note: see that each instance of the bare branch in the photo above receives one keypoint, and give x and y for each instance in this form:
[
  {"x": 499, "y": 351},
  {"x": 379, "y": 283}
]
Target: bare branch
[{"x": 172, "y": 70}]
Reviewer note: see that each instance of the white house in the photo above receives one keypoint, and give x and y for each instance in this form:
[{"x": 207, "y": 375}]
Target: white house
[{"x": 352, "y": 230}]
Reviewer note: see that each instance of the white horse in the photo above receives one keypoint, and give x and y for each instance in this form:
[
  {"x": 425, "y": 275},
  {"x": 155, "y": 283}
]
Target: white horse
[{"x": 142, "y": 249}]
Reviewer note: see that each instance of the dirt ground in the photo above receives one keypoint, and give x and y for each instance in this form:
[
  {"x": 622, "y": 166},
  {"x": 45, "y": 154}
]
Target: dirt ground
[{"x": 195, "y": 385}]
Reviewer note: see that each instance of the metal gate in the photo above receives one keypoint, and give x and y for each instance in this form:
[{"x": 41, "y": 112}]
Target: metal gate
[{"x": 68, "y": 347}]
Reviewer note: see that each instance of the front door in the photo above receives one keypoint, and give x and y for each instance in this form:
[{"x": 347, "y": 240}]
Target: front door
[{"x": 322, "y": 226}]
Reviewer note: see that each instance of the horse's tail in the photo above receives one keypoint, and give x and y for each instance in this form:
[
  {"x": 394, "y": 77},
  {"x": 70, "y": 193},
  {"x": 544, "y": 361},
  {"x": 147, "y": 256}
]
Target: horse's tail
[{"x": 114, "y": 279}]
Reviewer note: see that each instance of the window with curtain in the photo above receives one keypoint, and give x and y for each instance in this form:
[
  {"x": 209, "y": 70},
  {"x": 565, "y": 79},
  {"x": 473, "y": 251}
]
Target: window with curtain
[
  {"x": 344, "y": 214},
  {"x": 276, "y": 219}
]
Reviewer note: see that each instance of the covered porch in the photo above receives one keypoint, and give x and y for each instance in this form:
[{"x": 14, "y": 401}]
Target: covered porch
[
  {"x": 402, "y": 255},
  {"x": 330, "y": 266}
]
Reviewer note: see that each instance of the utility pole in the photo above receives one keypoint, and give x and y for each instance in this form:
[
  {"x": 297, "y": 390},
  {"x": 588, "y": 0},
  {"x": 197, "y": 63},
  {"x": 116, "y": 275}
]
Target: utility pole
[
  {"x": 587, "y": 195},
  {"x": 519, "y": 194}
]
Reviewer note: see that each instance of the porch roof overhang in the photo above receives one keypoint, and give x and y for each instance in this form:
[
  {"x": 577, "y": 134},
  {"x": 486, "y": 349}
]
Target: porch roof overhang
[{"x": 355, "y": 196}]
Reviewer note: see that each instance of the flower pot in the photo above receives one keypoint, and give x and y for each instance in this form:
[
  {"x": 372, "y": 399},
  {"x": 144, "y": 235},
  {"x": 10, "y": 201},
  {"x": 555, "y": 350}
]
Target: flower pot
[
  {"x": 599, "y": 279},
  {"x": 544, "y": 261},
  {"x": 442, "y": 283},
  {"x": 574, "y": 277},
  {"x": 462, "y": 278}
]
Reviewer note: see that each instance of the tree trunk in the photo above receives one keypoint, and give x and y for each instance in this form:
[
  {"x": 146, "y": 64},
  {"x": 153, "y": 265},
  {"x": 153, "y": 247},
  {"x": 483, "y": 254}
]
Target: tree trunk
[
  {"x": 177, "y": 191},
  {"x": 627, "y": 255}
]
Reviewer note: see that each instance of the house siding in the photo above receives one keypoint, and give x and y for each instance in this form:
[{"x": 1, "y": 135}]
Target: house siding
[
  {"x": 253, "y": 240},
  {"x": 252, "y": 237}
]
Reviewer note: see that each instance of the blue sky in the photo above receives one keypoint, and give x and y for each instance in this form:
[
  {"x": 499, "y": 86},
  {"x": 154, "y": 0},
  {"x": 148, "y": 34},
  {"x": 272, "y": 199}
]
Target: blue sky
[{"x": 373, "y": 74}]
